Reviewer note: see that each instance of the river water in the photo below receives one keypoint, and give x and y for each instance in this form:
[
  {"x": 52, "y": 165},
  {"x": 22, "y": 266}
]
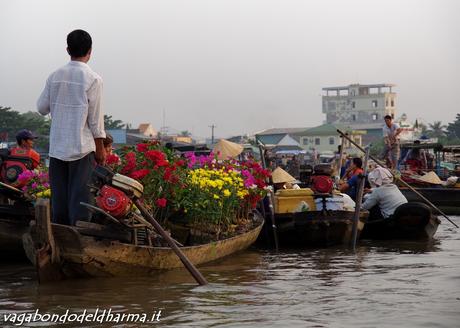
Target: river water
[{"x": 384, "y": 284}]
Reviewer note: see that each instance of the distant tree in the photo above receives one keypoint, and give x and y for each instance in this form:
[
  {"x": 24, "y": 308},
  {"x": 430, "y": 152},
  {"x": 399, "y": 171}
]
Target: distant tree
[
  {"x": 185, "y": 133},
  {"x": 453, "y": 129},
  {"x": 9, "y": 123},
  {"x": 111, "y": 124},
  {"x": 422, "y": 127},
  {"x": 436, "y": 130}
]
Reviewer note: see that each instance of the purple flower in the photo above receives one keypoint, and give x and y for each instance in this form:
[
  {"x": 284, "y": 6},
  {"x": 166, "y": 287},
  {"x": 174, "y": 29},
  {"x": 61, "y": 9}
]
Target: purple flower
[{"x": 34, "y": 185}]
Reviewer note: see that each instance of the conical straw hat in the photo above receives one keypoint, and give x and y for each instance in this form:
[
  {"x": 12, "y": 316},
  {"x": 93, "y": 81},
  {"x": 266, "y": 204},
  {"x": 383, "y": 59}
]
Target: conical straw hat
[
  {"x": 430, "y": 177},
  {"x": 281, "y": 176},
  {"x": 225, "y": 149}
]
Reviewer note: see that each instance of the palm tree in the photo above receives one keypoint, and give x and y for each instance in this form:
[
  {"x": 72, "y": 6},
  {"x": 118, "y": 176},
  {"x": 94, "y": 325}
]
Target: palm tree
[{"x": 436, "y": 130}]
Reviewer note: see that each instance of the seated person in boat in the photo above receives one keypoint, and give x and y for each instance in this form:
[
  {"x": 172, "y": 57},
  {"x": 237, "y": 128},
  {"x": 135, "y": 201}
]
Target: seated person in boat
[
  {"x": 350, "y": 186},
  {"x": 415, "y": 159},
  {"x": 385, "y": 196},
  {"x": 25, "y": 140}
]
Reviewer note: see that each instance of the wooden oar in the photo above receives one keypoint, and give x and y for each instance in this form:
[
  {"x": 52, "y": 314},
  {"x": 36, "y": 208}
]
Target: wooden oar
[
  {"x": 190, "y": 267},
  {"x": 398, "y": 178},
  {"x": 359, "y": 199},
  {"x": 270, "y": 198}
]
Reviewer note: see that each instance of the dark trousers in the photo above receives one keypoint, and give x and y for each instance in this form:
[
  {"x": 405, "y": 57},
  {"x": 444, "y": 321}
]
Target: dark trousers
[{"x": 69, "y": 186}]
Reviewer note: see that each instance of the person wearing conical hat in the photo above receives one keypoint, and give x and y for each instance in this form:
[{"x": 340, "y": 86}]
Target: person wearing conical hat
[
  {"x": 281, "y": 179},
  {"x": 385, "y": 196}
]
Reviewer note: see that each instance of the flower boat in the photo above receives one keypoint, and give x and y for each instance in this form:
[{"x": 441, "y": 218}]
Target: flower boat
[
  {"x": 214, "y": 197},
  {"x": 92, "y": 250}
]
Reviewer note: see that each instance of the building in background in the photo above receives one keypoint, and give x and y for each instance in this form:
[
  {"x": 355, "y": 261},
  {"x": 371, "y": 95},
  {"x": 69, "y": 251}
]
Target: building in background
[
  {"x": 326, "y": 139},
  {"x": 360, "y": 106}
]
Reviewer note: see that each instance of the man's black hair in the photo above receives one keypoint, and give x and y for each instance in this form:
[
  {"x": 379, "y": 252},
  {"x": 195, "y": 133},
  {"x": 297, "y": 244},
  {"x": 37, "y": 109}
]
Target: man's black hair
[
  {"x": 388, "y": 117},
  {"x": 79, "y": 43},
  {"x": 358, "y": 162}
]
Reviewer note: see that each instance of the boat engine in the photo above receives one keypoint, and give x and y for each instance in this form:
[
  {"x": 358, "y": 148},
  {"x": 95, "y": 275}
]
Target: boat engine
[
  {"x": 321, "y": 181},
  {"x": 114, "y": 191},
  {"x": 15, "y": 161}
]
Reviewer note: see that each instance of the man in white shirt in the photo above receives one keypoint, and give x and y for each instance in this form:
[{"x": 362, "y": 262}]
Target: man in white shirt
[
  {"x": 391, "y": 150},
  {"x": 72, "y": 95}
]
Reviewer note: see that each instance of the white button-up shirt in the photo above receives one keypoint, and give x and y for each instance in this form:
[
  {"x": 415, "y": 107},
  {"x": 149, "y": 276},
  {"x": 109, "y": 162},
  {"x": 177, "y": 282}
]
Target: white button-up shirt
[{"x": 72, "y": 95}]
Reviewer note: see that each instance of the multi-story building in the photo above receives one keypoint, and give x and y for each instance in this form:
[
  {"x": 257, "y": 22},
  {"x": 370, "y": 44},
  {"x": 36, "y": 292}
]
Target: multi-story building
[{"x": 360, "y": 106}]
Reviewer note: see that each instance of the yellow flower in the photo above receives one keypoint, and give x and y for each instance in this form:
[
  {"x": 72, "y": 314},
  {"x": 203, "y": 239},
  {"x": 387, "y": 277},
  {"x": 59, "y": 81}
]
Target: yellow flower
[
  {"x": 216, "y": 196},
  {"x": 227, "y": 193}
]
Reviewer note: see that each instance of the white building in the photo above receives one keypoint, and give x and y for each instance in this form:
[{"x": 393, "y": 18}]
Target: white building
[{"x": 360, "y": 106}]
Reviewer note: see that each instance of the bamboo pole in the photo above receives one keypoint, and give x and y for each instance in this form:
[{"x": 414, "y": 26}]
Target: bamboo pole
[
  {"x": 270, "y": 198},
  {"x": 401, "y": 180},
  {"x": 359, "y": 199},
  {"x": 341, "y": 156}
]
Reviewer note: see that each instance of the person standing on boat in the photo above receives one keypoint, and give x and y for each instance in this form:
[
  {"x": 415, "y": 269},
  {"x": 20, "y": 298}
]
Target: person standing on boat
[
  {"x": 385, "y": 196},
  {"x": 72, "y": 95},
  {"x": 391, "y": 149}
]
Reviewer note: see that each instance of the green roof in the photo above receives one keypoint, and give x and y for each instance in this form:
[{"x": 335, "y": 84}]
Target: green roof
[{"x": 325, "y": 130}]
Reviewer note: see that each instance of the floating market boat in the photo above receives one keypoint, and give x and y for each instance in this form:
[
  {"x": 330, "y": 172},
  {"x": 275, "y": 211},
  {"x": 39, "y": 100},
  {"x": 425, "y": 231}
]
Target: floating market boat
[
  {"x": 93, "y": 250},
  {"x": 428, "y": 183},
  {"x": 411, "y": 221},
  {"x": 317, "y": 228},
  {"x": 15, "y": 216},
  {"x": 311, "y": 227}
]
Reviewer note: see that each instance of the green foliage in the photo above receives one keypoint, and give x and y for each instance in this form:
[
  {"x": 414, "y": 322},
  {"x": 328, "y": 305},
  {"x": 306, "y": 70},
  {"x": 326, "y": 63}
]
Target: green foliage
[
  {"x": 111, "y": 124},
  {"x": 436, "y": 130},
  {"x": 453, "y": 129},
  {"x": 13, "y": 121}
]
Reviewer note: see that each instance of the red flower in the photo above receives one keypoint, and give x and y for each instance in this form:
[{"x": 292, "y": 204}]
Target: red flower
[
  {"x": 112, "y": 159},
  {"x": 142, "y": 147},
  {"x": 161, "y": 202},
  {"x": 180, "y": 162},
  {"x": 155, "y": 155},
  {"x": 139, "y": 174}
]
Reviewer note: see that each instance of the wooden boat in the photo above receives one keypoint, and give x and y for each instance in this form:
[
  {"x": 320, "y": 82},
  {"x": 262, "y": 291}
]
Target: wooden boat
[
  {"x": 14, "y": 222},
  {"x": 316, "y": 228},
  {"x": 89, "y": 250},
  {"x": 411, "y": 221},
  {"x": 447, "y": 199}
]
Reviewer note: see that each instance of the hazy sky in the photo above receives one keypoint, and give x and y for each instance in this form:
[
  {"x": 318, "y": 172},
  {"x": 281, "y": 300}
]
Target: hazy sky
[{"x": 241, "y": 65}]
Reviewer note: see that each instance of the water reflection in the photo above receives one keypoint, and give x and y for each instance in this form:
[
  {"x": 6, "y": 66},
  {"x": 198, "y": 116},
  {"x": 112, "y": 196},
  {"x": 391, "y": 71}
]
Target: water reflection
[{"x": 377, "y": 286}]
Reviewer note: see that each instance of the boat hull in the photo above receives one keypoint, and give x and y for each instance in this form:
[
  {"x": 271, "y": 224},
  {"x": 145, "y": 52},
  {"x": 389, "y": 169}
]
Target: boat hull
[
  {"x": 86, "y": 256},
  {"x": 315, "y": 228},
  {"x": 405, "y": 228},
  {"x": 447, "y": 199},
  {"x": 14, "y": 222}
]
